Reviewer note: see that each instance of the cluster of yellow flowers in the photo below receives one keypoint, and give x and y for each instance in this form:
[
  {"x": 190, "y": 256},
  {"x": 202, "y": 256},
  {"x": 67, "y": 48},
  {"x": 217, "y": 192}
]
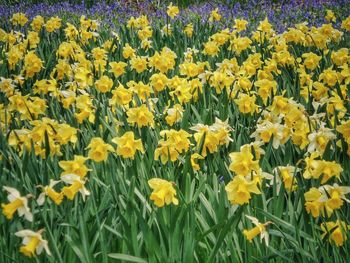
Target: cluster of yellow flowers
[
  {"x": 44, "y": 130},
  {"x": 151, "y": 90}
]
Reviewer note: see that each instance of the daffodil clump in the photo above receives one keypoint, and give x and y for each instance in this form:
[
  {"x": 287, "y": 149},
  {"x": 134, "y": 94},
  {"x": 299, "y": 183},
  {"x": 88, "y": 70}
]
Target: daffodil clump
[{"x": 156, "y": 142}]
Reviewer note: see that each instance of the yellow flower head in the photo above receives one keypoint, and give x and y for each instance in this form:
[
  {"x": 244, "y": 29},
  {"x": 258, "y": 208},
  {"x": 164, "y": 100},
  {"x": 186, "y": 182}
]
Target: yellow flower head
[
  {"x": 127, "y": 145},
  {"x": 121, "y": 96},
  {"x": 240, "y": 25},
  {"x": 174, "y": 143},
  {"x": 76, "y": 184},
  {"x": 16, "y": 203},
  {"x": 19, "y": 19},
  {"x": 259, "y": 229},
  {"x": 117, "y": 68},
  {"x": 99, "y": 150},
  {"x": 189, "y": 30},
  {"x": 334, "y": 196},
  {"x": 54, "y": 23},
  {"x": 344, "y": 129},
  {"x": 246, "y": 104},
  {"x": 239, "y": 190},
  {"x": 139, "y": 64},
  {"x": 172, "y": 11},
  {"x": 33, "y": 243},
  {"x": 140, "y": 116},
  {"x": 346, "y": 24},
  {"x": 311, "y": 60},
  {"x": 174, "y": 114},
  {"x": 37, "y": 23},
  {"x": 329, "y": 77},
  {"x": 56, "y": 197},
  {"x": 313, "y": 203},
  {"x": 287, "y": 175},
  {"x": 240, "y": 44},
  {"x": 330, "y": 17},
  {"x": 143, "y": 91},
  {"x": 243, "y": 163},
  {"x": 211, "y": 48},
  {"x": 335, "y": 231},
  {"x": 32, "y": 64},
  {"x": 206, "y": 139},
  {"x": 104, "y": 84},
  {"x": 158, "y": 81},
  {"x": 76, "y": 166},
  {"x": 163, "y": 192},
  {"x": 194, "y": 158},
  {"x": 128, "y": 51},
  {"x": 215, "y": 15}
]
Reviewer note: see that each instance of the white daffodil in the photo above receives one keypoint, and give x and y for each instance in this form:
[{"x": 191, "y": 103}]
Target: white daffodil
[
  {"x": 334, "y": 196},
  {"x": 319, "y": 140},
  {"x": 76, "y": 185},
  {"x": 286, "y": 174},
  {"x": 200, "y": 127},
  {"x": 16, "y": 203},
  {"x": 50, "y": 192},
  {"x": 259, "y": 229},
  {"x": 222, "y": 129},
  {"x": 267, "y": 129},
  {"x": 33, "y": 243}
]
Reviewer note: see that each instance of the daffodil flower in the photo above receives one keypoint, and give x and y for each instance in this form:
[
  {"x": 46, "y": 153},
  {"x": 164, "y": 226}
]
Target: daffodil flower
[
  {"x": 163, "y": 192},
  {"x": 76, "y": 184},
  {"x": 172, "y": 11},
  {"x": 50, "y": 192},
  {"x": 17, "y": 203},
  {"x": 286, "y": 174},
  {"x": 127, "y": 145},
  {"x": 33, "y": 243},
  {"x": 259, "y": 229},
  {"x": 319, "y": 140},
  {"x": 99, "y": 149},
  {"x": 334, "y": 196},
  {"x": 335, "y": 231}
]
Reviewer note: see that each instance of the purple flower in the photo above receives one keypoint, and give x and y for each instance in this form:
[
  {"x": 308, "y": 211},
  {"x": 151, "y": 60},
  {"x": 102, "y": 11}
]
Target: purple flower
[{"x": 282, "y": 14}]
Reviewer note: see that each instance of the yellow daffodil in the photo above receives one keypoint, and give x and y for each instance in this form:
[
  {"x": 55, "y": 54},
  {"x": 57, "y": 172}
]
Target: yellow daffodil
[
  {"x": 335, "y": 231},
  {"x": 246, "y": 104},
  {"x": 99, "y": 149},
  {"x": 243, "y": 163},
  {"x": 172, "y": 11},
  {"x": 121, "y": 96},
  {"x": 215, "y": 15},
  {"x": 140, "y": 116},
  {"x": 127, "y": 145},
  {"x": 76, "y": 166},
  {"x": 19, "y": 19},
  {"x": 240, "y": 25},
  {"x": 194, "y": 158},
  {"x": 104, "y": 84},
  {"x": 117, "y": 68},
  {"x": 163, "y": 192},
  {"x": 174, "y": 114},
  {"x": 287, "y": 175},
  {"x": 239, "y": 190}
]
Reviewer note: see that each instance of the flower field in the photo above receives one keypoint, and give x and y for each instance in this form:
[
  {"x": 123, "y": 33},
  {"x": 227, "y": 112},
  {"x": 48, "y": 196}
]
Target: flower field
[{"x": 174, "y": 139}]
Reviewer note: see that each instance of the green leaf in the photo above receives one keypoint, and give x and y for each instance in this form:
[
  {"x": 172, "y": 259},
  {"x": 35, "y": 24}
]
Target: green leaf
[{"x": 127, "y": 258}]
